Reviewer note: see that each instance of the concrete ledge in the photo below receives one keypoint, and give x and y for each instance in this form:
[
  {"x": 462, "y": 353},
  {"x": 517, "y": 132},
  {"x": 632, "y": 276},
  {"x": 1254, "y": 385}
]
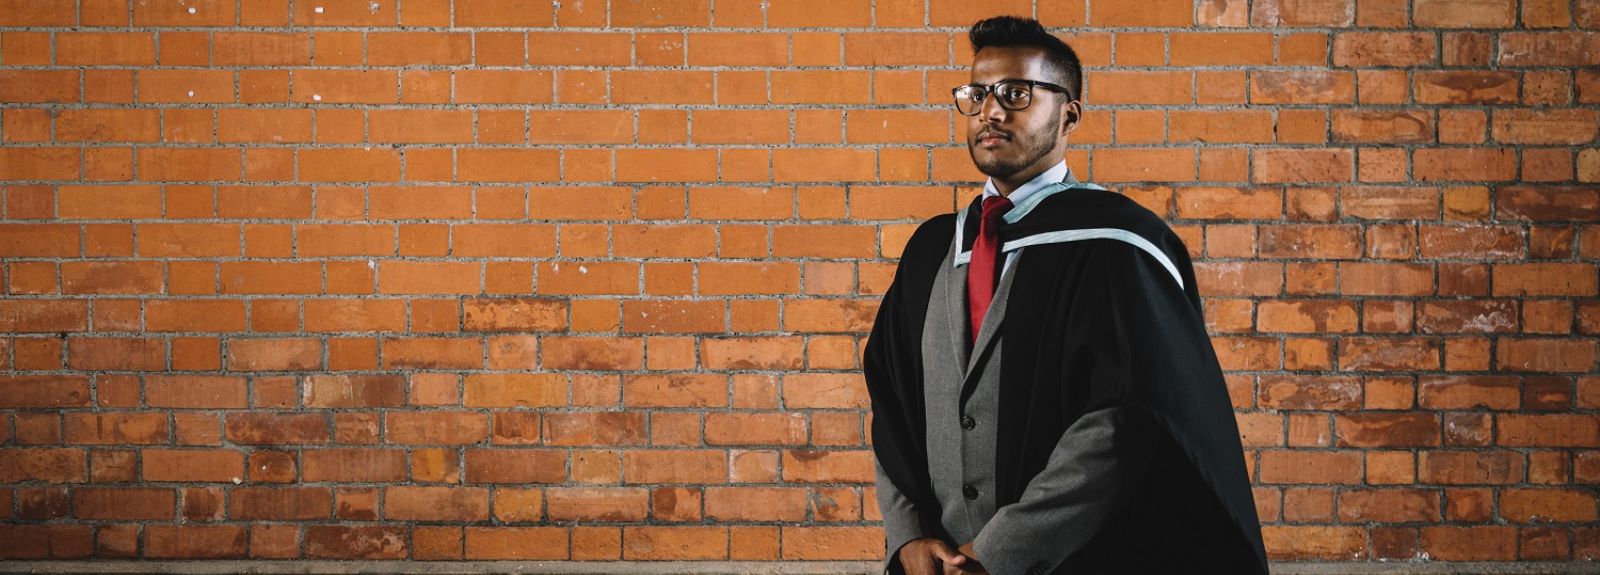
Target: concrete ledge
[
  {"x": 1385, "y": 568},
  {"x": 197, "y": 567}
]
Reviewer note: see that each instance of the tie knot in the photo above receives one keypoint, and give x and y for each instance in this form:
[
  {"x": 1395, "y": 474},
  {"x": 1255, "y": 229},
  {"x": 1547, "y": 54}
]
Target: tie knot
[{"x": 995, "y": 206}]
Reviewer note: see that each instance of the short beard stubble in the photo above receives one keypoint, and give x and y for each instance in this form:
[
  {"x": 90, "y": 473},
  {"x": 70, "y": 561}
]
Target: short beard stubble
[{"x": 1036, "y": 145}]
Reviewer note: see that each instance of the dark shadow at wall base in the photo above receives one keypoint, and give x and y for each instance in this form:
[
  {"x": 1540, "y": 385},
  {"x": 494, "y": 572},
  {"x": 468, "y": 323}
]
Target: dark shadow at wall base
[{"x": 197, "y": 567}]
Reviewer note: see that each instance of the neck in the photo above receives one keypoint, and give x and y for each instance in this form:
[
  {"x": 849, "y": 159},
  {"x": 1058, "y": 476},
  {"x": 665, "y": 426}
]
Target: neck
[
  {"x": 1010, "y": 183},
  {"x": 1005, "y": 187}
]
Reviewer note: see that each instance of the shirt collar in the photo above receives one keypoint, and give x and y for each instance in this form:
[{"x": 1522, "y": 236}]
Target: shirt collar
[
  {"x": 1055, "y": 174},
  {"x": 1032, "y": 193}
]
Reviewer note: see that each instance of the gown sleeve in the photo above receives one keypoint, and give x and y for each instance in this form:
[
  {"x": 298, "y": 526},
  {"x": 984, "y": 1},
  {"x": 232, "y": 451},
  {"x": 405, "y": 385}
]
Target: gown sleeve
[
  {"x": 893, "y": 432},
  {"x": 891, "y": 365},
  {"x": 900, "y": 521}
]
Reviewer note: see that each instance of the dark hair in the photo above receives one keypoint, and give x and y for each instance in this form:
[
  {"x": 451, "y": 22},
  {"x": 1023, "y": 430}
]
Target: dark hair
[{"x": 1017, "y": 31}]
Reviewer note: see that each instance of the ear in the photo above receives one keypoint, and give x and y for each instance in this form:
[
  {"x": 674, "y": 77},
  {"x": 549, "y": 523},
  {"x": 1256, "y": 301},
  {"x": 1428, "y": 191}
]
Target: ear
[{"x": 1071, "y": 113}]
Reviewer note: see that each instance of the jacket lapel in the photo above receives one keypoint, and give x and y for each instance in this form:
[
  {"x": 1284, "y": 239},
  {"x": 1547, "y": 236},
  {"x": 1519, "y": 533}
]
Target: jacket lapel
[
  {"x": 956, "y": 310},
  {"x": 991, "y": 319},
  {"x": 956, "y": 307}
]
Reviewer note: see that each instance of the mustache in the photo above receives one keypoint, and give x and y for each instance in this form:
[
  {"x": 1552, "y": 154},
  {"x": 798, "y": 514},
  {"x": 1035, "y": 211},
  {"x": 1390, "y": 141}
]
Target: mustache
[{"x": 993, "y": 131}]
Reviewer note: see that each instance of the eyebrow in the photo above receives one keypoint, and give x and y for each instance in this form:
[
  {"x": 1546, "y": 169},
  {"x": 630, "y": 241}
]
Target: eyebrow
[{"x": 1006, "y": 79}]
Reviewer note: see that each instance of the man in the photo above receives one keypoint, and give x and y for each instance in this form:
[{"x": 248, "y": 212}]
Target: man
[{"x": 1045, "y": 397}]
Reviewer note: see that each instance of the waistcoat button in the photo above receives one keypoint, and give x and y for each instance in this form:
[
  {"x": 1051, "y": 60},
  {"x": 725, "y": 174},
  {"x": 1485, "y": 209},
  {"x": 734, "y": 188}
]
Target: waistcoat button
[
  {"x": 969, "y": 491},
  {"x": 967, "y": 422}
]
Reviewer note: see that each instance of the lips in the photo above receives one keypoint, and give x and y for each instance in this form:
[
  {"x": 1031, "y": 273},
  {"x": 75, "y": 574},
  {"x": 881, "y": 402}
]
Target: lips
[{"x": 992, "y": 138}]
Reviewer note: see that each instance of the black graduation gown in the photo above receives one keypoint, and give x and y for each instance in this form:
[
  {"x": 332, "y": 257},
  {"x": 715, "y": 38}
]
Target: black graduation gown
[{"x": 1088, "y": 323}]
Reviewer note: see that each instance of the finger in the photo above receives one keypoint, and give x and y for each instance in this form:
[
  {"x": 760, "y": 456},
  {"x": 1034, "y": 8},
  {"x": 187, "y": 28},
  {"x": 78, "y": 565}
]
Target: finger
[{"x": 950, "y": 556}]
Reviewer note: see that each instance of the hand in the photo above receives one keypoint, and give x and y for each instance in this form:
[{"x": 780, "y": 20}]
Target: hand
[
  {"x": 969, "y": 567},
  {"x": 932, "y": 556}
]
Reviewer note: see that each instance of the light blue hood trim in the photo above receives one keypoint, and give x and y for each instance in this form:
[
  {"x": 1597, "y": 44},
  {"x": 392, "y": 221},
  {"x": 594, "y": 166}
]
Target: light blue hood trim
[{"x": 1021, "y": 210}]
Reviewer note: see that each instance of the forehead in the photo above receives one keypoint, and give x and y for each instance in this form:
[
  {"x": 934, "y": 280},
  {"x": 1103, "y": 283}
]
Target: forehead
[{"x": 996, "y": 63}]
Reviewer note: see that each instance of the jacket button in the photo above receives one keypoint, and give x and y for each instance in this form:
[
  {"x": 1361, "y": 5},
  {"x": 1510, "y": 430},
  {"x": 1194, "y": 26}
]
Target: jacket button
[
  {"x": 969, "y": 491},
  {"x": 968, "y": 422}
]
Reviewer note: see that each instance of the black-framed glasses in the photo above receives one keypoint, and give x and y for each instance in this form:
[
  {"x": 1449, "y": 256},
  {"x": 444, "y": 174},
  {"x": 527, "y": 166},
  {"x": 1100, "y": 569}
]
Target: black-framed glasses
[{"x": 1012, "y": 94}]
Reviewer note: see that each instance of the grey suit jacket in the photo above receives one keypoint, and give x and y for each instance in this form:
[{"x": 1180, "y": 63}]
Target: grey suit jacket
[{"x": 1062, "y": 508}]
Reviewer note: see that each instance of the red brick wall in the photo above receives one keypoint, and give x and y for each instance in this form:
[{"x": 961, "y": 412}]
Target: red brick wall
[{"x": 493, "y": 280}]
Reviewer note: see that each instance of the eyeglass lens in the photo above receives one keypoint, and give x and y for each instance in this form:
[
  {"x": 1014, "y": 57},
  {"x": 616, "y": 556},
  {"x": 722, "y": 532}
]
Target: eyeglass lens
[{"x": 1012, "y": 95}]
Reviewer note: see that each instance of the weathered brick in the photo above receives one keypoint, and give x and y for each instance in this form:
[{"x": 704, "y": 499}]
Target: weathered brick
[
  {"x": 436, "y": 427},
  {"x": 516, "y": 466},
  {"x": 355, "y": 542},
  {"x": 517, "y": 543},
  {"x": 277, "y": 429},
  {"x": 44, "y": 391},
  {"x": 123, "y": 503},
  {"x": 675, "y": 543},
  {"x": 195, "y": 541},
  {"x": 598, "y": 503},
  {"x": 280, "y": 503},
  {"x": 1317, "y": 467},
  {"x": 204, "y": 465},
  {"x": 436, "y": 503},
  {"x": 117, "y": 427},
  {"x": 353, "y": 465},
  {"x": 674, "y": 466}
]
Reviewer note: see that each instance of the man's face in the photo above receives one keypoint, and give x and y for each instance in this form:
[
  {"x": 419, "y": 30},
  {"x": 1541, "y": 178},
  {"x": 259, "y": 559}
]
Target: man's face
[{"x": 1004, "y": 142}]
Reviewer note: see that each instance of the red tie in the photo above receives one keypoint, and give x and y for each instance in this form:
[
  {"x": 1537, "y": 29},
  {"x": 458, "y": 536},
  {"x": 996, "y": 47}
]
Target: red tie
[{"x": 981, "y": 270}]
